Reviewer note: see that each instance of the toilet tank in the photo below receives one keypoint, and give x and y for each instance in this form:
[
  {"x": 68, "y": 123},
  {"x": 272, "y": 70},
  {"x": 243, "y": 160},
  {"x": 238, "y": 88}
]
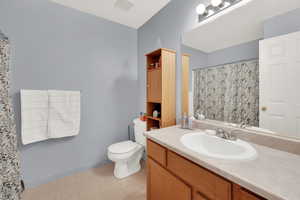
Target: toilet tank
[{"x": 139, "y": 129}]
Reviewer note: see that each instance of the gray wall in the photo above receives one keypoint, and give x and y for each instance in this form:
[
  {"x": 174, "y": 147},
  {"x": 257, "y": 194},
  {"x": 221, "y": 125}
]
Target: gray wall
[
  {"x": 199, "y": 59},
  {"x": 165, "y": 30},
  {"x": 54, "y": 47},
  {"x": 2, "y": 36},
  {"x": 282, "y": 24},
  {"x": 246, "y": 51}
]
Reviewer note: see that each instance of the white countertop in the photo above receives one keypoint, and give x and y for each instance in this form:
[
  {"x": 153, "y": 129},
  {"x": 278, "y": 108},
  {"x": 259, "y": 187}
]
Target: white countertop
[{"x": 274, "y": 174}]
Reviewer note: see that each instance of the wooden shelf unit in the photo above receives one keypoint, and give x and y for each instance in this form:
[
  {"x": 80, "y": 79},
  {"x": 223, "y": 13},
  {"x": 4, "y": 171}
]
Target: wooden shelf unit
[{"x": 161, "y": 88}]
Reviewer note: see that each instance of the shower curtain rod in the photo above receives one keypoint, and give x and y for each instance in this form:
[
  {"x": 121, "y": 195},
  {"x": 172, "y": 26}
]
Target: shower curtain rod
[{"x": 229, "y": 63}]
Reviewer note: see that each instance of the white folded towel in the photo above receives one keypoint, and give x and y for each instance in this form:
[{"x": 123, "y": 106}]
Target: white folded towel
[
  {"x": 64, "y": 113},
  {"x": 34, "y": 115}
]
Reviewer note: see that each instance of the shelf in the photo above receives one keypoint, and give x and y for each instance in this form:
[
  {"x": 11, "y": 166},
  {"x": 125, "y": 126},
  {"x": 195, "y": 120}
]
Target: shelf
[
  {"x": 153, "y": 69},
  {"x": 154, "y": 102},
  {"x": 153, "y": 118}
]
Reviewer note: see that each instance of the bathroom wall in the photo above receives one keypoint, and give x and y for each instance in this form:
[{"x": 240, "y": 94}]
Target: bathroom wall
[
  {"x": 246, "y": 51},
  {"x": 282, "y": 24},
  {"x": 197, "y": 57},
  {"x": 165, "y": 30},
  {"x": 55, "y": 47}
]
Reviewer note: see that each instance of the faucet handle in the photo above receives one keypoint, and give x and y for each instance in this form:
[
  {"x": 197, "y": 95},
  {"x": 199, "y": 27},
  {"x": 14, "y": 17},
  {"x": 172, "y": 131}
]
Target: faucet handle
[
  {"x": 243, "y": 125},
  {"x": 220, "y": 133},
  {"x": 233, "y": 136}
]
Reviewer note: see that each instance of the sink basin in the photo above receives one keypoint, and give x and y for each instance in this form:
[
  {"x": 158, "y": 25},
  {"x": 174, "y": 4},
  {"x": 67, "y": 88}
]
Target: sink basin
[{"x": 216, "y": 147}]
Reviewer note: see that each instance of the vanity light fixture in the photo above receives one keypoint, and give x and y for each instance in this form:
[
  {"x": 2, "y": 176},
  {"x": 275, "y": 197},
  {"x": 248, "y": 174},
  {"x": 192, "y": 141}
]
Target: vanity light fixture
[
  {"x": 216, "y": 8},
  {"x": 201, "y": 9},
  {"x": 217, "y": 3}
]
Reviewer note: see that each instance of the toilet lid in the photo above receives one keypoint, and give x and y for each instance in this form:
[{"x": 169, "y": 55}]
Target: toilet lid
[{"x": 122, "y": 147}]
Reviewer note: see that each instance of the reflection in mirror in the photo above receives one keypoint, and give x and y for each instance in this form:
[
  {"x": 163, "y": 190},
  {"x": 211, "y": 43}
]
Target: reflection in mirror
[
  {"x": 228, "y": 92},
  {"x": 245, "y": 74}
]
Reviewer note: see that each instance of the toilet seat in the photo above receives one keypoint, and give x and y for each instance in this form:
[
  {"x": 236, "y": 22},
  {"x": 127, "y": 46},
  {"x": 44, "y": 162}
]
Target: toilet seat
[{"x": 122, "y": 147}]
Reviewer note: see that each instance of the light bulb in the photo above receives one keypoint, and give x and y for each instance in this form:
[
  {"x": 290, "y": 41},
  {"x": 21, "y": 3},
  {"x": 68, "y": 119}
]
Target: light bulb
[
  {"x": 201, "y": 9},
  {"x": 216, "y": 3}
]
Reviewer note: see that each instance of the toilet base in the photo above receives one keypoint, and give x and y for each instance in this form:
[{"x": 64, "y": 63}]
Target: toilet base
[
  {"x": 123, "y": 170},
  {"x": 128, "y": 166}
]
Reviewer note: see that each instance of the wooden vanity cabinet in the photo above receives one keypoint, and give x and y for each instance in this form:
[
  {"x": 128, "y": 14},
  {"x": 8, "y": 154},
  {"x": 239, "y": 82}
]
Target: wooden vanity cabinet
[
  {"x": 172, "y": 177},
  {"x": 241, "y": 193}
]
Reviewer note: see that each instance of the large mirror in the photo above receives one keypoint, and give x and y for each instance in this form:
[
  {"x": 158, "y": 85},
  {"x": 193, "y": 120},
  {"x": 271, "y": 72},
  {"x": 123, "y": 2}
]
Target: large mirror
[{"x": 246, "y": 75}]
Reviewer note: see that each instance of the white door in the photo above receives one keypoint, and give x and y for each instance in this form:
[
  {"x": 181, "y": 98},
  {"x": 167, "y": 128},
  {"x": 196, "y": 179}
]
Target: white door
[{"x": 280, "y": 84}]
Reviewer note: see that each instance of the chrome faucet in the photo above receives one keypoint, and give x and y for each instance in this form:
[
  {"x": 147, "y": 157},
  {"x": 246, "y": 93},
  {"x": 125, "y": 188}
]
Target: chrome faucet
[{"x": 226, "y": 135}]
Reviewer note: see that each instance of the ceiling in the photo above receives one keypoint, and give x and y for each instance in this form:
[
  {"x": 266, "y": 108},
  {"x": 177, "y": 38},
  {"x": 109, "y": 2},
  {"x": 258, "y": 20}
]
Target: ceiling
[
  {"x": 239, "y": 26},
  {"x": 132, "y": 13}
]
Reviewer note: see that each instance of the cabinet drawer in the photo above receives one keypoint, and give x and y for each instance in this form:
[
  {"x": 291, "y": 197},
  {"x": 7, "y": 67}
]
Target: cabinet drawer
[
  {"x": 205, "y": 183},
  {"x": 157, "y": 152}
]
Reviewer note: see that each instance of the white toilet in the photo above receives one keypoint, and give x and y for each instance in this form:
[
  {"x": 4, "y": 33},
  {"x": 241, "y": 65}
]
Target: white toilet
[{"x": 127, "y": 154}]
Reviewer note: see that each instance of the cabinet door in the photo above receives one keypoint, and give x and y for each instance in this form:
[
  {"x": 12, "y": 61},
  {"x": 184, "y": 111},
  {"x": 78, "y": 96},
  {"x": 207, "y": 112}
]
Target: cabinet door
[
  {"x": 154, "y": 86},
  {"x": 199, "y": 196},
  {"x": 164, "y": 186},
  {"x": 240, "y": 193}
]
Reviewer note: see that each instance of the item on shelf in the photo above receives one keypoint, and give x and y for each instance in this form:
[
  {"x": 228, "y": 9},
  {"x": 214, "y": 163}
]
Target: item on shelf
[
  {"x": 142, "y": 116},
  {"x": 156, "y": 65},
  {"x": 155, "y": 113},
  {"x": 151, "y": 66}
]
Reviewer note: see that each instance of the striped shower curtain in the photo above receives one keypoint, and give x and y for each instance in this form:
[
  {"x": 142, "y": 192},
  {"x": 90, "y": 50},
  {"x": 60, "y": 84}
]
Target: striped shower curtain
[{"x": 10, "y": 187}]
